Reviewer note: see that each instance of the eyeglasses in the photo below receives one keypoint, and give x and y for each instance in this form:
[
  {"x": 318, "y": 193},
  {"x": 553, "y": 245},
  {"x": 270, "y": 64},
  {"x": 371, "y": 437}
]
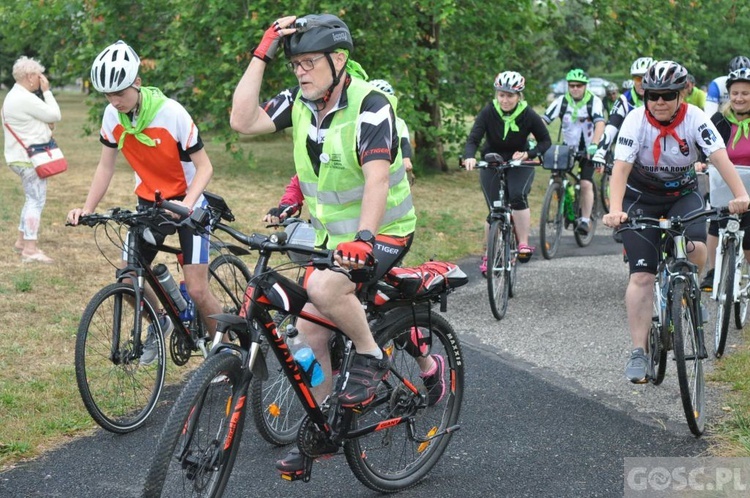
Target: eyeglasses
[
  {"x": 665, "y": 96},
  {"x": 306, "y": 64},
  {"x": 576, "y": 85}
]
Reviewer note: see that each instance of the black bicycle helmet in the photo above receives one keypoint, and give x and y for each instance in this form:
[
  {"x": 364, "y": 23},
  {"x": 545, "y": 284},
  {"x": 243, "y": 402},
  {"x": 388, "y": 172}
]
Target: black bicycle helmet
[
  {"x": 318, "y": 33},
  {"x": 665, "y": 75},
  {"x": 738, "y": 63}
]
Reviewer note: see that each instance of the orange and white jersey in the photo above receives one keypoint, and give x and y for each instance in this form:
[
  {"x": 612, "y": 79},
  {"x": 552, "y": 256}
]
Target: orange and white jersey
[{"x": 167, "y": 166}]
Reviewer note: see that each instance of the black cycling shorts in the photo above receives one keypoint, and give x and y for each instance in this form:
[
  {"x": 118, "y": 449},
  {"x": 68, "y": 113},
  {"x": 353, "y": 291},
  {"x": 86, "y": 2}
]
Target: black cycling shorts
[
  {"x": 642, "y": 247},
  {"x": 517, "y": 186}
]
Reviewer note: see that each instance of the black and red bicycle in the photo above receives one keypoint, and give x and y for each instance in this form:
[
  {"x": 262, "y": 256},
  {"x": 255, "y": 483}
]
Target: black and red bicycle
[{"x": 390, "y": 444}]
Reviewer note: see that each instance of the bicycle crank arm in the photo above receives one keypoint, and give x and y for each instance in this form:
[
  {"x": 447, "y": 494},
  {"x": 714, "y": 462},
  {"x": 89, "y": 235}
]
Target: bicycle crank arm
[{"x": 448, "y": 430}]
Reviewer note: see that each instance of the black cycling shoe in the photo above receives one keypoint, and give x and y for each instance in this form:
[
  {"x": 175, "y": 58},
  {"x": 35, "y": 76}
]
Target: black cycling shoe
[
  {"x": 294, "y": 461},
  {"x": 365, "y": 375},
  {"x": 707, "y": 284}
]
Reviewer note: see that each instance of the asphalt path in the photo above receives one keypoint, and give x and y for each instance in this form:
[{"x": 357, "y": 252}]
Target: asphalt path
[{"x": 547, "y": 411}]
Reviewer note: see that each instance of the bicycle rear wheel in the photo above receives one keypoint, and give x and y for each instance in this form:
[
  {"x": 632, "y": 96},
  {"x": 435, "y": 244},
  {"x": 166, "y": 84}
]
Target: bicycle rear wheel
[
  {"x": 740, "y": 308},
  {"x": 391, "y": 459},
  {"x": 687, "y": 357},
  {"x": 551, "y": 222},
  {"x": 118, "y": 391},
  {"x": 498, "y": 268},
  {"x": 725, "y": 296},
  {"x": 199, "y": 442},
  {"x": 277, "y": 411}
]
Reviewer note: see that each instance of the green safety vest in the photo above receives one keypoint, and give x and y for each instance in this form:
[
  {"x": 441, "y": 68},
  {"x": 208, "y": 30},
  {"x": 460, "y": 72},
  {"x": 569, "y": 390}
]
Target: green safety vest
[{"x": 334, "y": 195}]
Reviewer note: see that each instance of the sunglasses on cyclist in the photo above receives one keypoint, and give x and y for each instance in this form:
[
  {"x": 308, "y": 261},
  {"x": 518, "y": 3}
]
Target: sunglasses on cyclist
[
  {"x": 576, "y": 85},
  {"x": 665, "y": 96}
]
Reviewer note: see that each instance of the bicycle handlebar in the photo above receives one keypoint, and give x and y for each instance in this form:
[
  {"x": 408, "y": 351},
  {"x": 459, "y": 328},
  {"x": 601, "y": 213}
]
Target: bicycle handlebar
[{"x": 640, "y": 222}]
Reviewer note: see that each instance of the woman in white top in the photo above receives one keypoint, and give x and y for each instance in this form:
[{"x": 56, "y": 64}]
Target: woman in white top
[{"x": 31, "y": 118}]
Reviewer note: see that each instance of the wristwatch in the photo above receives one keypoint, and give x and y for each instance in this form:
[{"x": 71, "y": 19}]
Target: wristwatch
[{"x": 365, "y": 236}]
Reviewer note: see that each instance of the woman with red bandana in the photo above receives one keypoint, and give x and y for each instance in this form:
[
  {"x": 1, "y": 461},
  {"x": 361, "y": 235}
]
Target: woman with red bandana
[{"x": 654, "y": 171}]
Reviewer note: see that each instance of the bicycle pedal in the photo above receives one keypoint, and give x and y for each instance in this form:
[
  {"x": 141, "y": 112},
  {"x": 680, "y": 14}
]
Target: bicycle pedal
[{"x": 302, "y": 474}]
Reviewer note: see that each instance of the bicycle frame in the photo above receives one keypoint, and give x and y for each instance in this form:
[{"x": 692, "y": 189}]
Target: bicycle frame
[{"x": 268, "y": 291}]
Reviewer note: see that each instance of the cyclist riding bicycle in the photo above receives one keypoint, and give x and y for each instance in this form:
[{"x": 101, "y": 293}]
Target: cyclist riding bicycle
[
  {"x": 628, "y": 101},
  {"x": 161, "y": 143},
  {"x": 582, "y": 116},
  {"x": 717, "y": 94},
  {"x": 351, "y": 173},
  {"x": 654, "y": 172},
  {"x": 292, "y": 201},
  {"x": 733, "y": 124},
  {"x": 506, "y": 123}
]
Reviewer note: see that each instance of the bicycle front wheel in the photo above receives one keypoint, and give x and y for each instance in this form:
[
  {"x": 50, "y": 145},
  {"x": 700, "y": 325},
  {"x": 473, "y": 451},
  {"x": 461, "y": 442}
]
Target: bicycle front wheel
[
  {"x": 498, "y": 268},
  {"x": 740, "y": 307},
  {"x": 392, "y": 459},
  {"x": 117, "y": 388},
  {"x": 227, "y": 279},
  {"x": 551, "y": 221},
  {"x": 512, "y": 261},
  {"x": 604, "y": 192},
  {"x": 725, "y": 296},
  {"x": 276, "y": 409},
  {"x": 199, "y": 443},
  {"x": 688, "y": 358}
]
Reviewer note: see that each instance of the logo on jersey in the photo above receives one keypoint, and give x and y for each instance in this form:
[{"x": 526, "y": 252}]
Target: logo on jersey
[
  {"x": 708, "y": 136},
  {"x": 628, "y": 142},
  {"x": 641, "y": 262},
  {"x": 684, "y": 149}
]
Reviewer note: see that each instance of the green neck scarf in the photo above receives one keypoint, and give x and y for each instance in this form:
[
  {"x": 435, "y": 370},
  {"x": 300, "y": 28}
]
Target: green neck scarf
[
  {"x": 151, "y": 101},
  {"x": 743, "y": 127},
  {"x": 576, "y": 106},
  {"x": 637, "y": 102},
  {"x": 510, "y": 120},
  {"x": 353, "y": 67}
]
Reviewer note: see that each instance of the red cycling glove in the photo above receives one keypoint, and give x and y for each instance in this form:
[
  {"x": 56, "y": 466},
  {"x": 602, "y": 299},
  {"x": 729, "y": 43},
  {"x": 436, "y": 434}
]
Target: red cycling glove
[
  {"x": 269, "y": 44},
  {"x": 356, "y": 251}
]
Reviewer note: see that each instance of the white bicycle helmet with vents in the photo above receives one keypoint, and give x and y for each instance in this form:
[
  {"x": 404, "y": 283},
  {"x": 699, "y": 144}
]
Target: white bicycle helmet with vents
[
  {"x": 510, "y": 81},
  {"x": 115, "y": 68},
  {"x": 640, "y": 66},
  {"x": 383, "y": 86}
]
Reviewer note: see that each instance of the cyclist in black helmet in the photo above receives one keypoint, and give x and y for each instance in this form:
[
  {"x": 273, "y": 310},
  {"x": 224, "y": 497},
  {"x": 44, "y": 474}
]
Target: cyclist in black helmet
[{"x": 351, "y": 173}]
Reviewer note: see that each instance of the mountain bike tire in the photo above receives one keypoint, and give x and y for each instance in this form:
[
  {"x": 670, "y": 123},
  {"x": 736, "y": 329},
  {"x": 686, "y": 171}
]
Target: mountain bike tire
[
  {"x": 740, "y": 308},
  {"x": 604, "y": 192},
  {"x": 118, "y": 392},
  {"x": 551, "y": 221},
  {"x": 277, "y": 411},
  {"x": 389, "y": 460},
  {"x": 498, "y": 265},
  {"x": 725, "y": 296},
  {"x": 198, "y": 445},
  {"x": 687, "y": 359}
]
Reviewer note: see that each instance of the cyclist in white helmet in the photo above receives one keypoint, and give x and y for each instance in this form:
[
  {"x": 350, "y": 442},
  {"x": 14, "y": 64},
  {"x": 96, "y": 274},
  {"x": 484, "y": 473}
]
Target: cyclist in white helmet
[
  {"x": 504, "y": 125},
  {"x": 160, "y": 141},
  {"x": 717, "y": 94},
  {"x": 402, "y": 129}
]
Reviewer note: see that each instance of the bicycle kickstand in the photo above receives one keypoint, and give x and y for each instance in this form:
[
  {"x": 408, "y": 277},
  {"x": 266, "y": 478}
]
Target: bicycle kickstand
[{"x": 304, "y": 475}]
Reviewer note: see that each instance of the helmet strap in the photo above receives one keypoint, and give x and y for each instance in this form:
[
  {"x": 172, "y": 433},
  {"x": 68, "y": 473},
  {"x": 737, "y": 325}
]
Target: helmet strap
[{"x": 321, "y": 103}]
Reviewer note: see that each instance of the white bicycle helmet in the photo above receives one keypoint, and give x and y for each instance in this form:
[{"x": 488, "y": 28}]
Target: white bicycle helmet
[
  {"x": 115, "y": 68},
  {"x": 383, "y": 86},
  {"x": 510, "y": 81},
  {"x": 665, "y": 75},
  {"x": 741, "y": 74},
  {"x": 640, "y": 66}
]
